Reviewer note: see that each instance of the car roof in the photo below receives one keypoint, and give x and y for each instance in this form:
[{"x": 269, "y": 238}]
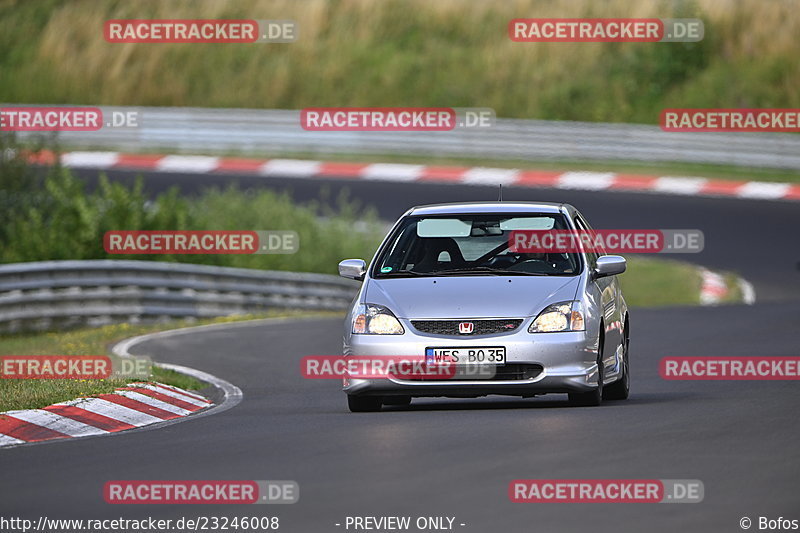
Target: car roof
[{"x": 490, "y": 208}]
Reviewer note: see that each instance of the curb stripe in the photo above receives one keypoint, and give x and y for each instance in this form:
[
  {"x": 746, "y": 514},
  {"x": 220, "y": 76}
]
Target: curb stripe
[
  {"x": 115, "y": 411},
  {"x": 24, "y": 431},
  {"x": 171, "y": 400},
  {"x": 442, "y": 173},
  {"x": 181, "y": 391},
  {"x": 90, "y": 159},
  {"x": 238, "y": 164},
  {"x": 87, "y": 417},
  {"x": 794, "y": 193},
  {"x": 714, "y": 288},
  {"x": 5, "y": 440},
  {"x": 340, "y": 170},
  {"x": 138, "y": 161},
  {"x": 152, "y": 402},
  {"x": 756, "y": 189},
  {"x": 679, "y": 185},
  {"x": 177, "y": 396},
  {"x": 402, "y": 172},
  {"x": 721, "y": 188},
  {"x": 490, "y": 176},
  {"x": 593, "y": 181},
  {"x": 126, "y": 408},
  {"x": 55, "y": 422},
  {"x": 392, "y": 172},
  {"x": 136, "y": 405},
  {"x": 289, "y": 167},
  {"x": 187, "y": 163},
  {"x": 538, "y": 178}
]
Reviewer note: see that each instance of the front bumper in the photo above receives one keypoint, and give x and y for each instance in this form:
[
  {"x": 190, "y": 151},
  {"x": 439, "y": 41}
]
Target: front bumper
[{"x": 568, "y": 363}]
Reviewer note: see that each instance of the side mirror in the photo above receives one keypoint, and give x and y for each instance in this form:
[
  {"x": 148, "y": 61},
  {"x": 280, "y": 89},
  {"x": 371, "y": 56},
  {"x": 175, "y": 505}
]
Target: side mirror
[
  {"x": 609, "y": 265},
  {"x": 357, "y": 268}
]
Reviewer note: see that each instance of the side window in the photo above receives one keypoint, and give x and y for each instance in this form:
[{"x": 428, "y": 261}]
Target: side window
[{"x": 584, "y": 227}]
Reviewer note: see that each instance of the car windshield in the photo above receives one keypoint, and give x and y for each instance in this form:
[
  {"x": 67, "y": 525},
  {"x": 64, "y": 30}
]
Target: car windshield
[{"x": 465, "y": 245}]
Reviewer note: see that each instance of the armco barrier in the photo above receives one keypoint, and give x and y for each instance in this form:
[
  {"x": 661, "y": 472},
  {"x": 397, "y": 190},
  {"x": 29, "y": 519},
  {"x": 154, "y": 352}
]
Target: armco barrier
[
  {"x": 261, "y": 131},
  {"x": 59, "y": 294}
]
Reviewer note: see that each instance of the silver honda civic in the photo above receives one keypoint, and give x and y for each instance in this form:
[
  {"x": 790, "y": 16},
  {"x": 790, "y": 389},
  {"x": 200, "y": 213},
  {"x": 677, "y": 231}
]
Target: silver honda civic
[{"x": 448, "y": 288}]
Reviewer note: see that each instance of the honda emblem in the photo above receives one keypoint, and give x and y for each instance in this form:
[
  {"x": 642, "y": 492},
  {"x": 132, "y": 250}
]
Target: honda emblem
[{"x": 465, "y": 328}]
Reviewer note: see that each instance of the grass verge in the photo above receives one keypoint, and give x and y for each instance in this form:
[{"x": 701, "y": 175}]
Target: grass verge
[
  {"x": 406, "y": 53},
  {"x": 656, "y": 282}
]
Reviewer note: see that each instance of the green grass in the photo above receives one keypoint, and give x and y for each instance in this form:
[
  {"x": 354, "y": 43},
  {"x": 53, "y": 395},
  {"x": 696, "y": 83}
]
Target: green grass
[
  {"x": 656, "y": 282},
  {"x": 406, "y": 52},
  {"x": 35, "y": 393}
]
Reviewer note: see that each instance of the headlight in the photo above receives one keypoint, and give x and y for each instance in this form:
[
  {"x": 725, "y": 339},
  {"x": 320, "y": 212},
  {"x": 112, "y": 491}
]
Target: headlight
[
  {"x": 376, "y": 320},
  {"x": 566, "y": 316}
]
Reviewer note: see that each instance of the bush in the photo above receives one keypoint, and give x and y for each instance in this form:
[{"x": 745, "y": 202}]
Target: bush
[{"x": 49, "y": 215}]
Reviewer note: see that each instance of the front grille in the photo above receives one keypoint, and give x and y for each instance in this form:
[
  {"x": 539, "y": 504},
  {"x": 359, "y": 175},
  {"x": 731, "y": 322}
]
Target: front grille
[
  {"x": 479, "y": 327},
  {"x": 507, "y": 372}
]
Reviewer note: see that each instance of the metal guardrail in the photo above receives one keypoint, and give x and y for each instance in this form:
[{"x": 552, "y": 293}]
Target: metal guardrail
[
  {"x": 278, "y": 131},
  {"x": 60, "y": 294}
]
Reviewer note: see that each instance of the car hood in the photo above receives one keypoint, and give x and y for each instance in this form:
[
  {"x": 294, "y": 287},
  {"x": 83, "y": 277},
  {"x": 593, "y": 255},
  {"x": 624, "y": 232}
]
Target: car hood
[{"x": 470, "y": 296}]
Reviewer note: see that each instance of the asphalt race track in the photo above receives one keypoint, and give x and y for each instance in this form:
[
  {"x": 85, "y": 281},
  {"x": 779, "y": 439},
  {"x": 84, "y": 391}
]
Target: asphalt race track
[{"x": 443, "y": 457}]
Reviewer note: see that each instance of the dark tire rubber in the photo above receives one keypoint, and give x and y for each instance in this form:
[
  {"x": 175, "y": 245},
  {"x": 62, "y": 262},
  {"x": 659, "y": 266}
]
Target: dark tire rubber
[
  {"x": 402, "y": 401},
  {"x": 364, "y": 404}
]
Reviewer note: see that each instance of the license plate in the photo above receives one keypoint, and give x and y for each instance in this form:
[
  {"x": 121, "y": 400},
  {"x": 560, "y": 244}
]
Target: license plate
[{"x": 493, "y": 355}]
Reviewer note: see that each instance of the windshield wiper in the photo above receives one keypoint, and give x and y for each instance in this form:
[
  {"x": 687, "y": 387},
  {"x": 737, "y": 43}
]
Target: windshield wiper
[
  {"x": 403, "y": 272},
  {"x": 486, "y": 270}
]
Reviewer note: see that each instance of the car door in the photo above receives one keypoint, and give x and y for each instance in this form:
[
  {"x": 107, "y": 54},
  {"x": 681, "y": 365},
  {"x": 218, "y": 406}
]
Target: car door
[{"x": 609, "y": 304}]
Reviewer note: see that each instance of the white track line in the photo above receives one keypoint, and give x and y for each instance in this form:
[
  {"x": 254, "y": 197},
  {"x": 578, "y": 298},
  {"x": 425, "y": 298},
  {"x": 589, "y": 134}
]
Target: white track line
[
  {"x": 678, "y": 185},
  {"x": 593, "y": 181},
  {"x": 294, "y": 168},
  {"x": 763, "y": 190},
  {"x": 90, "y": 159},
  {"x": 490, "y": 176},
  {"x": 187, "y": 163},
  {"x": 392, "y": 172}
]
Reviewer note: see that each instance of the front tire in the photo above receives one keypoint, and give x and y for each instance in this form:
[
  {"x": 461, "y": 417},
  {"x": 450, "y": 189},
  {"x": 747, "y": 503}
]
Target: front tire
[{"x": 364, "y": 404}]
